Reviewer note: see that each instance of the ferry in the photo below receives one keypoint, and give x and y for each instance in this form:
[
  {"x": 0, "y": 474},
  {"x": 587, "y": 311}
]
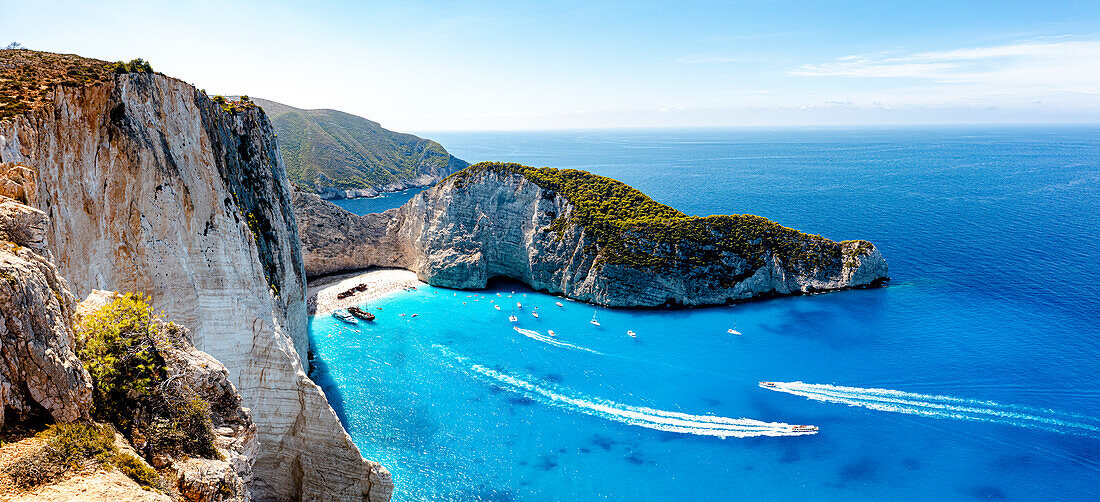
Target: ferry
[
  {"x": 343, "y": 315},
  {"x": 803, "y": 428},
  {"x": 769, "y": 384}
]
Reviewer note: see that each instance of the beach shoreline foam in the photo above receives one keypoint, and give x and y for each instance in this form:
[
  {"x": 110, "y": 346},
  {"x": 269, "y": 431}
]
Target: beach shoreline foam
[{"x": 321, "y": 295}]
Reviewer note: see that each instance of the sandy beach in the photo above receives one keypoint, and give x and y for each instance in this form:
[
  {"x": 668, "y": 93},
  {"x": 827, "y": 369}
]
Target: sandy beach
[{"x": 321, "y": 293}]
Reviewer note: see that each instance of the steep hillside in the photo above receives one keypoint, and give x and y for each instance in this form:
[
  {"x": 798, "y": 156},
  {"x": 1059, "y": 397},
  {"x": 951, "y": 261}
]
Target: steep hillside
[{"x": 336, "y": 154}]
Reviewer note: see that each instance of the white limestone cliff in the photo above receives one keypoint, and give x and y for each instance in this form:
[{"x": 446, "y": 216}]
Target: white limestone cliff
[
  {"x": 484, "y": 223},
  {"x": 150, "y": 187}
]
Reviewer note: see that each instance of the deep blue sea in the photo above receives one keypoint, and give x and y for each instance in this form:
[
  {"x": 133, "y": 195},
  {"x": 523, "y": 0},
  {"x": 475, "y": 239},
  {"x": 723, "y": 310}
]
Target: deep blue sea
[
  {"x": 973, "y": 376},
  {"x": 388, "y": 200}
]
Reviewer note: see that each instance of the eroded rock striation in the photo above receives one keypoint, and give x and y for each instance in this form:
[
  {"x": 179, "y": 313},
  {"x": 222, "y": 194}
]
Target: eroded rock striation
[
  {"x": 584, "y": 236},
  {"x": 150, "y": 186}
]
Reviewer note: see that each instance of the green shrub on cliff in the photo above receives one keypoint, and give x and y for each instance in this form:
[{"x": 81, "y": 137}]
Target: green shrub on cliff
[
  {"x": 627, "y": 227},
  {"x": 119, "y": 348},
  {"x": 75, "y": 446},
  {"x": 134, "y": 66}
]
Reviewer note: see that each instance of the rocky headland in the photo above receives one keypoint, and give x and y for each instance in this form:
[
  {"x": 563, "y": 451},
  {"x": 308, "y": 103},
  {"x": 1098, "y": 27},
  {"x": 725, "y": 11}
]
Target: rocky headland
[{"x": 584, "y": 236}]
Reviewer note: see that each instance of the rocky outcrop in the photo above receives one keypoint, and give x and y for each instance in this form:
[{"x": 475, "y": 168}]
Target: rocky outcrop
[
  {"x": 39, "y": 370},
  {"x": 334, "y": 239},
  {"x": 196, "y": 375},
  {"x": 511, "y": 221},
  {"x": 151, "y": 187}
]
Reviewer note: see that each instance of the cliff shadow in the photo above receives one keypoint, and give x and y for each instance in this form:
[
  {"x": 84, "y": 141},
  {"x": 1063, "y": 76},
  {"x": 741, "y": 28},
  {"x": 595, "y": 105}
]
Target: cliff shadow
[{"x": 321, "y": 374}]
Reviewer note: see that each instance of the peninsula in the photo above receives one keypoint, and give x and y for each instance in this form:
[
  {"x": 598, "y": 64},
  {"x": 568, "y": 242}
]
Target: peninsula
[{"x": 584, "y": 236}]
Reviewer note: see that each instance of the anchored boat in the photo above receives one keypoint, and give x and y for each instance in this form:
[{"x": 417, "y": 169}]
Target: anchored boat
[
  {"x": 360, "y": 313},
  {"x": 343, "y": 315}
]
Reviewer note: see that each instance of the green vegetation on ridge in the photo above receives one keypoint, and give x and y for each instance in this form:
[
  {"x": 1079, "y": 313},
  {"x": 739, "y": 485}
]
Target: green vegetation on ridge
[
  {"x": 326, "y": 149},
  {"x": 627, "y": 227}
]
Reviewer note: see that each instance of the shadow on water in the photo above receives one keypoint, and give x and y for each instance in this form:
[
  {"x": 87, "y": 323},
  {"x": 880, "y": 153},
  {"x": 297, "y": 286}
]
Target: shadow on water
[{"x": 322, "y": 376}]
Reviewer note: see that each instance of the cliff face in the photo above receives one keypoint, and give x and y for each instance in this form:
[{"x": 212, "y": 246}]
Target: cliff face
[
  {"x": 149, "y": 186},
  {"x": 487, "y": 222},
  {"x": 39, "y": 371}
]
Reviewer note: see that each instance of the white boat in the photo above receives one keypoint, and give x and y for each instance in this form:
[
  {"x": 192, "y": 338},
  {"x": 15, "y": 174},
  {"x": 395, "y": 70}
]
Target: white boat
[
  {"x": 769, "y": 384},
  {"x": 733, "y": 331},
  {"x": 559, "y": 304},
  {"x": 496, "y": 307},
  {"x": 551, "y": 332},
  {"x": 513, "y": 318},
  {"x": 519, "y": 305},
  {"x": 535, "y": 314},
  {"x": 632, "y": 334},
  {"x": 345, "y": 316},
  {"x": 594, "y": 321},
  {"x": 803, "y": 428}
]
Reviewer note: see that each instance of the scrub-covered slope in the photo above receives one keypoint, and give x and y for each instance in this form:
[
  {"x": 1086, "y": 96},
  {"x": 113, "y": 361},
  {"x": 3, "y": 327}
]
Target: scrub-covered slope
[{"x": 336, "y": 154}]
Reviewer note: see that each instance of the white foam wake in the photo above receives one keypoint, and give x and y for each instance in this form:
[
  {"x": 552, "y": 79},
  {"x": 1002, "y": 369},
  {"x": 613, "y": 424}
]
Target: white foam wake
[
  {"x": 535, "y": 335},
  {"x": 943, "y": 407},
  {"x": 704, "y": 425}
]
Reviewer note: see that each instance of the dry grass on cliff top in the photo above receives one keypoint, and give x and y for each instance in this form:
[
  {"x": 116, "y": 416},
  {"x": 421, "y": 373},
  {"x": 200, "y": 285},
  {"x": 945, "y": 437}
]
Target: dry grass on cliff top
[{"x": 27, "y": 77}]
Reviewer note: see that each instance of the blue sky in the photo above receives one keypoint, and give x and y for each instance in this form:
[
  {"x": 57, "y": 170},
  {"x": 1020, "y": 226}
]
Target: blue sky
[{"x": 422, "y": 66}]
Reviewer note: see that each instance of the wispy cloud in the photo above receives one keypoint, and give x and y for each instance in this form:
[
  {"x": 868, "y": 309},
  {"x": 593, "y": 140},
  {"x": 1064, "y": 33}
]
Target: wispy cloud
[{"x": 1063, "y": 66}]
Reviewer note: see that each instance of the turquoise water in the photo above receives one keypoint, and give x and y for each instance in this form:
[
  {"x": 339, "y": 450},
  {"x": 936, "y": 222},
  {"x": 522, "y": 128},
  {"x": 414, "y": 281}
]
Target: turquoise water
[
  {"x": 971, "y": 377},
  {"x": 388, "y": 200}
]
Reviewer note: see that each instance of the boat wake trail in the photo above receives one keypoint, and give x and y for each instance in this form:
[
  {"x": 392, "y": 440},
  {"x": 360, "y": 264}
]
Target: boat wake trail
[
  {"x": 943, "y": 407},
  {"x": 703, "y": 425},
  {"x": 535, "y": 335}
]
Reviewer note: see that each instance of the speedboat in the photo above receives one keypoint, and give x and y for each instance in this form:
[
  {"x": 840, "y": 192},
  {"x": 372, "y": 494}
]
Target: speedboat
[
  {"x": 551, "y": 332},
  {"x": 632, "y": 334},
  {"x": 535, "y": 314},
  {"x": 769, "y": 384},
  {"x": 733, "y": 331},
  {"x": 594, "y": 321},
  {"x": 343, "y": 315},
  {"x": 803, "y": 428}
]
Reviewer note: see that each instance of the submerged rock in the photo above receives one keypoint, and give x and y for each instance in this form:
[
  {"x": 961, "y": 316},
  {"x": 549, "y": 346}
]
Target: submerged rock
[{"x": 585, "y": 236}]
